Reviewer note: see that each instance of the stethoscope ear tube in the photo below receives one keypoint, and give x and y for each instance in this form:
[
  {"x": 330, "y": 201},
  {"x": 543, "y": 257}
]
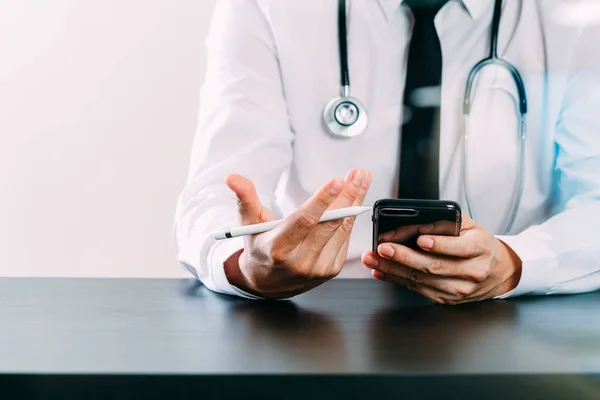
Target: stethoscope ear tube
[{"x": 343, "y": 44}]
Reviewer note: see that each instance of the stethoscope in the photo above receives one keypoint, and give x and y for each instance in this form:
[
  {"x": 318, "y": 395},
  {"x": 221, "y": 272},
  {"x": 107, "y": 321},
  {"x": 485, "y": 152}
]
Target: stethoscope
[{"x": 346, "y": 117}]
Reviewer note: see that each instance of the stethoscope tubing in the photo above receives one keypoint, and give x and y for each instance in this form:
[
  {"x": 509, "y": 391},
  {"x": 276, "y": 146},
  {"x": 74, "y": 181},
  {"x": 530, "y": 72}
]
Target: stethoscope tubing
[
  {"x": 521, "y": 109},
  {"x": 359, "y": 123}
]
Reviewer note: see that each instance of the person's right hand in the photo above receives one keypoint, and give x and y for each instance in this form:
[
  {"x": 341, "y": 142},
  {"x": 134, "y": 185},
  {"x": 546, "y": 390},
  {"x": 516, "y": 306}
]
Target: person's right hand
[{"x": 301, "y": 253}]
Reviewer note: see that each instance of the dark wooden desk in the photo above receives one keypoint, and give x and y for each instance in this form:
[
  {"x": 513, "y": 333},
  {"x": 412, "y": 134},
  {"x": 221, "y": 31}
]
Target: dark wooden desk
[{"x": 125, "y": 338}]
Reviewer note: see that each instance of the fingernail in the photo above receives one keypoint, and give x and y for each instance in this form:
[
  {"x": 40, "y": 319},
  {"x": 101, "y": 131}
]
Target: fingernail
[
  {"x": 336, "y": 186},
  {"x": 358, "y": 177},
  {"x": 367, "y": 181},
  {"x": 385, "y": 250},
  {"x": 350, "y": 175},
  {"x": 425, "y": 242},
  {"x": 371, "y": 261}
]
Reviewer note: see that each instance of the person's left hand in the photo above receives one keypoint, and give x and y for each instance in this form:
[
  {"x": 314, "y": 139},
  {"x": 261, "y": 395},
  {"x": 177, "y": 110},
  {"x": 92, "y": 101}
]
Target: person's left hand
[{"x": 450, "y": 270}]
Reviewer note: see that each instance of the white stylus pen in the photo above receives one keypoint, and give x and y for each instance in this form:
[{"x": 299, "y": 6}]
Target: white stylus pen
[{"x": 267, "y": 226}]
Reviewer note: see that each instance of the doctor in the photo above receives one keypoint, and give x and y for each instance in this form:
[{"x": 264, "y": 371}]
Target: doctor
[{"x": 523, "y": 164}]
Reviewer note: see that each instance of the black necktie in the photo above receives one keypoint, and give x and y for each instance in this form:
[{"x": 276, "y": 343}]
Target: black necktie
[{"x": 420, "y": 148}]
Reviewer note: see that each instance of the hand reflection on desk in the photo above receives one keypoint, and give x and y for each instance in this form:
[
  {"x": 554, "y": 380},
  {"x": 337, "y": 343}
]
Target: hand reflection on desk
[
  {"x": 435, "y": 337},
  {"x": 298, "y": 334},
  {"x": 383, "y": 328}
]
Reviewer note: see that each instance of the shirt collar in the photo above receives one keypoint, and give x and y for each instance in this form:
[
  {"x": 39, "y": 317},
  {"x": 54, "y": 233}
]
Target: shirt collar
[{"x": 475, "y": 8}]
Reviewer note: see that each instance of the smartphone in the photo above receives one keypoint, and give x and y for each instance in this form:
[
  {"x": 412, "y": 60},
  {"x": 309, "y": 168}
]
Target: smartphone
[{"x": 408, "y": 219}]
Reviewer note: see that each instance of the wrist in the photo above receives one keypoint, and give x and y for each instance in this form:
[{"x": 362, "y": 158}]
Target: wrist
[
  {"x": 234, "y": 273},
  {"x": 512, "y": 264}
]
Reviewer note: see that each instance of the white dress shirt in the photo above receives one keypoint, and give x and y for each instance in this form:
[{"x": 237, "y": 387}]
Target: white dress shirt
[{"x": 273, "y": 66}]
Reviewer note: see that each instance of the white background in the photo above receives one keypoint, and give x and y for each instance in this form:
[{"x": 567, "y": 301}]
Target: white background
[{"x": 98, "y": 106}]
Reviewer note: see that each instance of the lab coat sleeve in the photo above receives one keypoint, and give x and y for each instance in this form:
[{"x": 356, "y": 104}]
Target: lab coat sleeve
[
  {"x": 562, "y": 255},
  {"x": 243, "y": 128}
]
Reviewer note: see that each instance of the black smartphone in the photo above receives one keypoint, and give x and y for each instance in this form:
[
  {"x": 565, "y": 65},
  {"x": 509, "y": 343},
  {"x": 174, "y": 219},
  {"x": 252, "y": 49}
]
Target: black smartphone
[{"x": 404, "y": 220}]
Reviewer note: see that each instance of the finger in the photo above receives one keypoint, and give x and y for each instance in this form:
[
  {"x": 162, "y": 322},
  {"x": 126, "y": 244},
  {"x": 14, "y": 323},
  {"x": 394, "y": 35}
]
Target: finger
[
  {"x": 353, "y": 188},
  {"x": 333, "y": 255},
  {"x": 428, "y": 263},
  {"x": 299, "y": 224},
  {"x": 453, "y": 288},
  {"x": 356, "y": 185},
  {"x": 335, "y": 250},
  {"x": 455, "y": 246},
  {"x": 354, "y": 194},
  {"x": 430, "y": 293},
  {"x": 467, "y": 222},
  {"x": 340, "y": 259},
  {"x": 250, "y": 208}
]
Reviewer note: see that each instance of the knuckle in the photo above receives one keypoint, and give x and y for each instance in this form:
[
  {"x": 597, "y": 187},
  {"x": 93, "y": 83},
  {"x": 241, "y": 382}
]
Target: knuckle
[
  {"x": 351, "y": 196},
  {"x": 335, "y": 271},
  {"x": 464, "y": 290},
  {"x": 306, "y": 221},
  {"x": 277, "y": 252},
  {"x": 277, "y": 256},
  {"x": 479, "y": 274},
  {"x": 304, "y": 269},
  {"x": 403, "y": 257},
  {"x": 360, "y": 199},
  {"x": 436, "y": 266},
  {"x": 325, "y": 272},
  {"x": 317, "y": 271},
  {"x": 330, "y": 226},
  {"x": 322, "y": 201},
  {"x": 472, "y": 249},
  {"x": 416, "y": 276},
  {"x": 323, "y": 268},
  {"x": 347, "y": 225}
]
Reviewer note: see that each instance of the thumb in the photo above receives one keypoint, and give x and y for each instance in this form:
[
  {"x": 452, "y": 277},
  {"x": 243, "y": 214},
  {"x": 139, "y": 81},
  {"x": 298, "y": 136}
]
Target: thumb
[
  {"x": 250, "y": 208},
  {"x": 467, "y": 223}
]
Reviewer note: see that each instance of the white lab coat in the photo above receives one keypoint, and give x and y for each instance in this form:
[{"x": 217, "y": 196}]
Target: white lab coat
[{"x": 273, "y": 66}]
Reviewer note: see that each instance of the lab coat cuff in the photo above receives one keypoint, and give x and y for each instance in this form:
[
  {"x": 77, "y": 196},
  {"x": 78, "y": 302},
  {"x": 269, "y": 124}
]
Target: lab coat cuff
[
  {"x": 537, "y": 266},
  {"x": 219, "y": 253}
]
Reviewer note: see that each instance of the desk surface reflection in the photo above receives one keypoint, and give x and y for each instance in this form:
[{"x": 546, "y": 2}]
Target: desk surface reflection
[{"x": 347, "y": 337}]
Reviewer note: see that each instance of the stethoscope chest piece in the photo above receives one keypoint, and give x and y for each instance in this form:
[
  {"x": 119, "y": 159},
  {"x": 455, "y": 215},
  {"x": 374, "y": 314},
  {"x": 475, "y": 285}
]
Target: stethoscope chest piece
[{"x": 345, "y": 117}]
